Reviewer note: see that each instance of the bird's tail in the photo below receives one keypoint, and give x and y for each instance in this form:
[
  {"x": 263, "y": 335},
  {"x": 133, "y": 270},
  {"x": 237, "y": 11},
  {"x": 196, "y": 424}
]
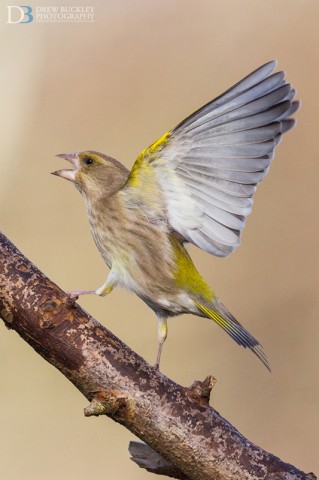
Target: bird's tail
[{"x": 219, "y": 313}]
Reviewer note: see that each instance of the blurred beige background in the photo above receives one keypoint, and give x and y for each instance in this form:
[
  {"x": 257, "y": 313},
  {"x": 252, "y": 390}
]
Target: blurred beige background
[{"x": 115, "y": 85}]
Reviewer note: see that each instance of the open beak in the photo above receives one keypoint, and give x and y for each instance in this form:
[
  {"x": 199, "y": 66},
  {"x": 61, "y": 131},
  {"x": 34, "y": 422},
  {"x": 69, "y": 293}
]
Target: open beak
[{"x": 68, "y": 174}]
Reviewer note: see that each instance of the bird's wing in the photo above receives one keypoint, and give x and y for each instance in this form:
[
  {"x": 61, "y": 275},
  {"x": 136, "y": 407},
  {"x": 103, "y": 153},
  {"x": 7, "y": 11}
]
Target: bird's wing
[{"x": 205, "y": 171}]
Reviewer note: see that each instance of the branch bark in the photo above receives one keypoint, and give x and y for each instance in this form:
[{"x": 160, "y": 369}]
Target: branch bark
[{"x": 188, "y": 438}]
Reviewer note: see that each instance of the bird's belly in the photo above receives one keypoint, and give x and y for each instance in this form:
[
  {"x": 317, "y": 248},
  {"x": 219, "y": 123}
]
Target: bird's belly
[
  {"x": 164, "y": 296},
  {"x": 171, "y": 304},
  {"x": 124, "y": 277}
]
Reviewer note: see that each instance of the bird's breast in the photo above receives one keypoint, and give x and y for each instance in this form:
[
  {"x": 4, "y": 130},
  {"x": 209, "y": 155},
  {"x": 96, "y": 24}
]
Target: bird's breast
[{"x": 106, "y": 241}]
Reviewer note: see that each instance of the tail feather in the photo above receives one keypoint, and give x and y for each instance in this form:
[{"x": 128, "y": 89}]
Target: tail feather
[{"x": 219, "y": 313}]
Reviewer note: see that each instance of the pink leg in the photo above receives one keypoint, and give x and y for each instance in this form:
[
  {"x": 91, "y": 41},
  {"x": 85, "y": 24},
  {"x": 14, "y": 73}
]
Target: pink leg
[{"x": 74, "y": 294}]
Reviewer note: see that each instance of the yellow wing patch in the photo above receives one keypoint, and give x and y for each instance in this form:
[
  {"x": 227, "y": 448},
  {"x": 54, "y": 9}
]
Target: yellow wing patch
[{"x": 142, "y": 164}]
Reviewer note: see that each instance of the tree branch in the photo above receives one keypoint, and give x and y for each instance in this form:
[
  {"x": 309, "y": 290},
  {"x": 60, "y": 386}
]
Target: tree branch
[{"x": 177, "y": 423}]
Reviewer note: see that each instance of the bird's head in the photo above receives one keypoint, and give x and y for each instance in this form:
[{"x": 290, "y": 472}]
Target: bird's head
[{"x": 93, "y": 173}]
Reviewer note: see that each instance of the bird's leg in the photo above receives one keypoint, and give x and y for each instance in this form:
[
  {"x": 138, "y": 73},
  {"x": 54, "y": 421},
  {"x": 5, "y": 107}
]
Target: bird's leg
[
  {"x": 105, "y": 289},
  {"x": 162, "y": 334},
  {"x": 74, "y": 294}
]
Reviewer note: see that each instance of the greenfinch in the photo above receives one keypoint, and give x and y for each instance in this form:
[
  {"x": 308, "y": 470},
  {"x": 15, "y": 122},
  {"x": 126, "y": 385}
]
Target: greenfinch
[{"x": 193, "y": 185}]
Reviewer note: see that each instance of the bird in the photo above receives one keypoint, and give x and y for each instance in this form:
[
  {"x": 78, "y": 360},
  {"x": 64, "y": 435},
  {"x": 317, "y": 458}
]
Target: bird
[{"x": 195, "y": 184}]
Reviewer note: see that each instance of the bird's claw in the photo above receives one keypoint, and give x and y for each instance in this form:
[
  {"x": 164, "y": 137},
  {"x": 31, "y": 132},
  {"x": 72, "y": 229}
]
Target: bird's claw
[
  {"x": 156, "y": 366},
  {"x": 73, "y": 295},
  {"x": 71, "y": 298}
]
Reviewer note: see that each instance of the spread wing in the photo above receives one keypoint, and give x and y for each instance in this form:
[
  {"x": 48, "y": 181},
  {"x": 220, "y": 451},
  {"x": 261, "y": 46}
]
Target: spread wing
[{"x": 205, "y": 171}]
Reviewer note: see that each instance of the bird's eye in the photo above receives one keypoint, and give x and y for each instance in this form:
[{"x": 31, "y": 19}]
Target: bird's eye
[{"x": 88, "y": 161}]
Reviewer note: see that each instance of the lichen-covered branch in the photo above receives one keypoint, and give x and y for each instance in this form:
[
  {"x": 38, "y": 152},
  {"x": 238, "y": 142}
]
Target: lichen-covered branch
[{"x": 175, "y": 422}]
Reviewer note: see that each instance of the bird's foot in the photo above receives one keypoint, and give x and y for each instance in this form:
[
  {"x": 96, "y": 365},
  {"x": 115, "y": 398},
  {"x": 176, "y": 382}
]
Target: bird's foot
[{"x": 74, "y": 294}]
